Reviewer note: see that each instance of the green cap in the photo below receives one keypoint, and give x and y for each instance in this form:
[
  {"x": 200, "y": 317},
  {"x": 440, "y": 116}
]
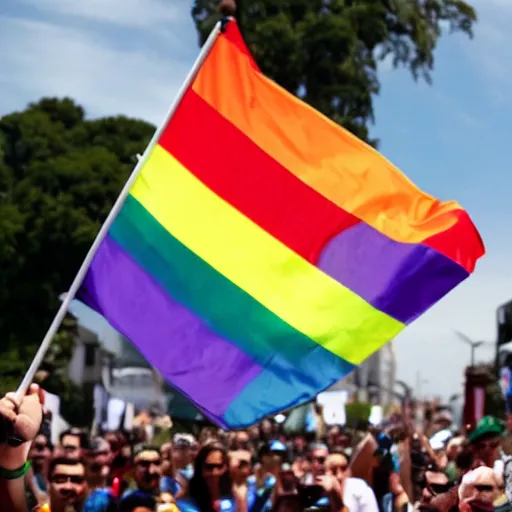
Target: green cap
[{"x": 487, "y": 426}]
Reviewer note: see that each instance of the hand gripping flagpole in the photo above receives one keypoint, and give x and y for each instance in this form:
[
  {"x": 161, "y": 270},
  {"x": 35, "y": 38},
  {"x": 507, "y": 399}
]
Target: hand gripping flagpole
[{"x": 77, "y": 282}]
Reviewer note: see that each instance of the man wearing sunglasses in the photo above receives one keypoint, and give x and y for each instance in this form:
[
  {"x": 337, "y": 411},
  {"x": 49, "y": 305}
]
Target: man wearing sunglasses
[
  {"x": 68, "y": 487},
  {"x": 478, "y": 490},
  {"x": 147, "y": 464},
  {"x": 485, "y": 442},
  {"x": 436, "y": 482}
]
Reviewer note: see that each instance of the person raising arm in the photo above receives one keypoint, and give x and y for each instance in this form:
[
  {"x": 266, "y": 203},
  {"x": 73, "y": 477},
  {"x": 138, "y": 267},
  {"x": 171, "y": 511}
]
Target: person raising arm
[{"x": 20, "y": 421}]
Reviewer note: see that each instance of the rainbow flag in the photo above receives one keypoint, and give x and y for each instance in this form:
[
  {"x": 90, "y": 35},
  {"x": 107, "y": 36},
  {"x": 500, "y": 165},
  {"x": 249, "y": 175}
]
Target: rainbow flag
[{"x": 264, "y": 252}]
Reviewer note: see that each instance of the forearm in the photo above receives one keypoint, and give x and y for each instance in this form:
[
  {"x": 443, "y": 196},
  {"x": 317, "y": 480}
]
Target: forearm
[
  {"x": 12, "y": 490},
  {"x": 12, "y": 495}
]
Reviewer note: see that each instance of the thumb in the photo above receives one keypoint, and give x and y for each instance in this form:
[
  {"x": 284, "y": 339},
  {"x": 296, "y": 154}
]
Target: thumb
[{"x": 35, "y": 389}]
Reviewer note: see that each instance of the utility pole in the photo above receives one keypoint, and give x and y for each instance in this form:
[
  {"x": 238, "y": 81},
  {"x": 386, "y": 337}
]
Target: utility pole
[{"x": 472, "y": 344}]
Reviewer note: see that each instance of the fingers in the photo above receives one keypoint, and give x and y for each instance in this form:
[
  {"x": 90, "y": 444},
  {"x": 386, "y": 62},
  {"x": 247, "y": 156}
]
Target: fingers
[
  {"x": 36, "y": 390},
  {"x": 7, "y": 411},
  {"x": 12, "y": 401}
]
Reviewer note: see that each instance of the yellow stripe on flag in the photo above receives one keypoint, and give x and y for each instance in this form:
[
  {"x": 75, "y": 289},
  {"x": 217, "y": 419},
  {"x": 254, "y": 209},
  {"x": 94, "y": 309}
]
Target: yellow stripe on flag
[{"x": 281, "y": 280}]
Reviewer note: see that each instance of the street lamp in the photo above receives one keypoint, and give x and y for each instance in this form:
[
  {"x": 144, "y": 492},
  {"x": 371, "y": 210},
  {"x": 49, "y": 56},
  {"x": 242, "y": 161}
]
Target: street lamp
[{"x": 472, "y": 344}]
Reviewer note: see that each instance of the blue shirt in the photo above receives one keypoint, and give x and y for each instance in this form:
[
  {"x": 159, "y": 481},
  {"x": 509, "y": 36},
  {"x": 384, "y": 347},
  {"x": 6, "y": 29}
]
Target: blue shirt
[
  {"x": 188, "y": 505},
  {"x": 100, "y": 500},
  {"x": 170, "y": 485},
  {"x": 255, "y": 495}
]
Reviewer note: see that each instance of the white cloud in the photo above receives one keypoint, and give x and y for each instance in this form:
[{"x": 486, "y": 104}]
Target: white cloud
[
  {"x": 53, "y": 60},
  {"x": 130, "y": 13}
]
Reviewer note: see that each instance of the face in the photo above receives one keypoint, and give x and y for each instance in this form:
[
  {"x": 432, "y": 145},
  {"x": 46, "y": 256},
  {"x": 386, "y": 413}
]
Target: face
[
  {"x": 100, "y": 460},
  {"x": 147, "y": 470},
  {"x": 241, "y": 441},
  {"x": 487, "y": 450},
  {"x": 240, "y": 465},
  {"x": 436, "y": 483},
  {"x": 180, "y": 455},
  {"x": 272, "y": 461},
  {"x": 484, "y": 489},
  {"x": 113, "y": 441},
  {"x": 254, "y": 432},
  {"x": 71, "y": 447},
  {"x": 299, "y": 444},
  {"x": 68, "y": 486},
  {"x": 40, "y": 453},
  {"x": 165, "y": 451},
  {"x": 214, "y": 467},
  {"x": 318, "y": 458},
  {"x": 334, "y": 435},
  {"x": 192, "y": 453},
  {"x": 266, "y": 427},
  {"x": 337, "y": 465}
]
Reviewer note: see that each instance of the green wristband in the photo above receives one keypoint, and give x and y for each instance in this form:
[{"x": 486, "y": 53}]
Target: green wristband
[{"x": 7, "y": 474}]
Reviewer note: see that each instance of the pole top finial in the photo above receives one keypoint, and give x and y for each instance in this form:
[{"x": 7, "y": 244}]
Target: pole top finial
[{"x": 227, "y": 8}]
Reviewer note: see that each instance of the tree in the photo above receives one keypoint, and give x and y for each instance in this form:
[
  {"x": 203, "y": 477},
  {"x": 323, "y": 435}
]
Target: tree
[
  {"x": 326, "y": 52},
  {"x": 60, "y": 173},
  {"x": 494, "y": 401}
]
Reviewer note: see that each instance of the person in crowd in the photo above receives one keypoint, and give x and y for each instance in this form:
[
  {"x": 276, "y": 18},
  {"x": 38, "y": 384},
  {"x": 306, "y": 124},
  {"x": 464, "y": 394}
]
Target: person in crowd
[
  {"x": 147, "y": 464},
  {"x": 318, "y": 453},
  {"x": 71, "y": 444},
  {"x": 183, "y": 454},
  {"x": 485, "y": 442},
  {"x": 100, "y": 498},
  {"x": 210, "y": 488},
  {"x": 479, "y": 489},
  {"x": 171, "y": 482},
  {"x": 436, "y": 482},
  {"x": 68, "y": 484},
  {"x": 261, "y": 484},
  {"x": 354, "y": 493}
]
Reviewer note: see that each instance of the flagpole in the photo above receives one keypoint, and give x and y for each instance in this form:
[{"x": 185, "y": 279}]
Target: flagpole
[{"x": 77, "y": 282}]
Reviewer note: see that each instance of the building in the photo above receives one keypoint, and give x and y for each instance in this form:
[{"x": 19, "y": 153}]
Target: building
[
  {"x": 88, "y": 358},
  {"x": 374, "y": 380},
  {"x": 132, "y": 379}
]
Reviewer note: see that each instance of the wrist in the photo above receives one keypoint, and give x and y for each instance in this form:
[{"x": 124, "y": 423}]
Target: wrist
[
  {"x": 12, "y": 458},
  {"x": 20, "y": 472}
]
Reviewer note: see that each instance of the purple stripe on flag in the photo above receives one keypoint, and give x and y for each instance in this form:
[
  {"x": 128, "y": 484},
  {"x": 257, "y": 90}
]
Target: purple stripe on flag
[
  {"x": 207, "y": 368},
  {"x": 402, "y": 280}
]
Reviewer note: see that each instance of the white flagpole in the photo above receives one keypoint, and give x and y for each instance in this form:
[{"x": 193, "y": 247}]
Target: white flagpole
[{"x": 77, "y": 282}]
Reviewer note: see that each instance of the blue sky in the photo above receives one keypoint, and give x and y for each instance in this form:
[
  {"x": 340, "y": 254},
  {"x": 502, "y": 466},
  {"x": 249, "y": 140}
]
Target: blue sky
[{"x": 130, "y": 57}]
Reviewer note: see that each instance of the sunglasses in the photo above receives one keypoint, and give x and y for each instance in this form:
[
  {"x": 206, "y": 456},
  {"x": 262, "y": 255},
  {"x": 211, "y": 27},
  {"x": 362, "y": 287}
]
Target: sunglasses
[
  {"x": 436, "y": 489},
  {"x": 341, "y": 468},
  {"x": 146, "y": 464},
  {"x": 484, "y": 488},
  {"x": 484, "y": 445},
  {"x": 320, "y": 460},
  {"x": 211, "y": 467},
  {"x": 62, "y": 479},
  {"x": 40, "y": 447},
  {"x": 98, "y": 454}
]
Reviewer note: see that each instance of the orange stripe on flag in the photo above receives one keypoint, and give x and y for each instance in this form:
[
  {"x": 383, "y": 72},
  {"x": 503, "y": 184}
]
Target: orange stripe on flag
[{"x": 328, "y": 158}]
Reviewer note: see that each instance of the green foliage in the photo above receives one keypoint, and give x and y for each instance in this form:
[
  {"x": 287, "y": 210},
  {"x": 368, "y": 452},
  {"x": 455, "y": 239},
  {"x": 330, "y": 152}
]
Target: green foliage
[
  {"x": 494, "y": 401},
  {"x": 327, "y": 51},
  {"x": 357, "y": 412},
  {"x": 59, "y": 176}
]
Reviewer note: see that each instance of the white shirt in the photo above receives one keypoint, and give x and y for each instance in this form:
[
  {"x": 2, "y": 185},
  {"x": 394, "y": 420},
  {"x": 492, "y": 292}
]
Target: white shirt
[{"x": 358, "y": 496}]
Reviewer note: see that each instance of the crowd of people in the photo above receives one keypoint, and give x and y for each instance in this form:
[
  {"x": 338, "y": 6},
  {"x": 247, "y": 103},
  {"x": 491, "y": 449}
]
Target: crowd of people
[{"x": 389, "y": 468}]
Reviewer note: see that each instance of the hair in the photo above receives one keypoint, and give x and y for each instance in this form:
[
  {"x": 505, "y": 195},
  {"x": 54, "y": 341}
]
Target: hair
[
  {"x": 136, "y": 499},
  {"x": 340, "y": 451},
  {"x": 198, "y": 489},
  {"x": 74, "y": 432},
  {"x": 137, "y": 450},
  {"x": 63, "y": 461}
]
